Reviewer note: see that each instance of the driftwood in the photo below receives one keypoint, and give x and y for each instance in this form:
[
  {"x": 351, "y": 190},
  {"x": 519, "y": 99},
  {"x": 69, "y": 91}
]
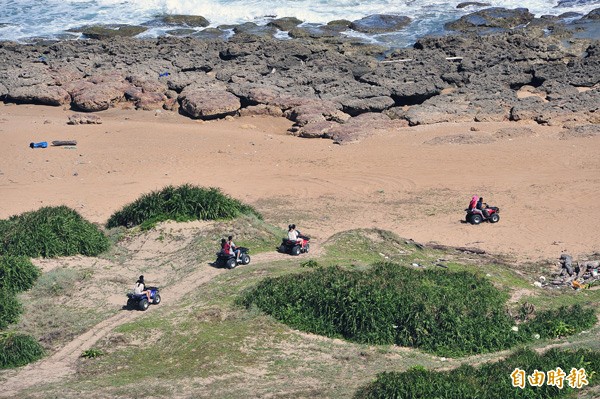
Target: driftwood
[{"x": 65, "y": 142}]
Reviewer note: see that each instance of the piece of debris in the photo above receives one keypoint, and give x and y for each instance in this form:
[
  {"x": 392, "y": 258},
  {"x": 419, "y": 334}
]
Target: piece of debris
[
  {"x": 41, "y": 144},
  {"x": 580, "y": 275},
  {"x": 58, "y": 143}
]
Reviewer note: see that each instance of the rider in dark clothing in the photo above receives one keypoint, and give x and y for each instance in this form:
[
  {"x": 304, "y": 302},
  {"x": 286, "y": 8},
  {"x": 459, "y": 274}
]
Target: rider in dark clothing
[{"x": 482, "y": 207}]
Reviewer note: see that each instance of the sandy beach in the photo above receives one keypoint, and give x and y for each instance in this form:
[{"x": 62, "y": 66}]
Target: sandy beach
[{"x": 415, "y": 181}]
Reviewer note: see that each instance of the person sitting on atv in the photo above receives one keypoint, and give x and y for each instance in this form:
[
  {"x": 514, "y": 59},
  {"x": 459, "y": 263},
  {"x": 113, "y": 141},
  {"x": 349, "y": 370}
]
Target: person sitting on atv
[
  {"x": 224, "y": 247},
  {"x": 473, "y": 205},
  {"x": 482, "y": 207},
  {"x": 140, "y": 288},
  {"x": 295, "y": 235},
  {"x": 233, "y": 250}
]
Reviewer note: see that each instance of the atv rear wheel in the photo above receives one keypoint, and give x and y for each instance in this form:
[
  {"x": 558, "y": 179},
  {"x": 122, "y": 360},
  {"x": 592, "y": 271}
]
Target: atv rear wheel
[
  {"x": 476, "y": 219},
  {"x": 231, "y": 263},
  {"x": 131, "y": 303},
  {"x": 494, "y": 218},
  {"x": 245, "y": 259},
  {"x": 296, "y": 250},
  {"x": 282, "y": 249},
  {"x": 156, "y": 299},
  {"x": 144, "y": 304}
]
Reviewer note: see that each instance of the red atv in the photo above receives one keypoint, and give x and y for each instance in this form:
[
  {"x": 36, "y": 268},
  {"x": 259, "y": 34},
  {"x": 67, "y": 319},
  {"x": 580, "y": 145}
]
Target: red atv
[
  {"x": 293, "y": 247},
  {"x": 475, "y": 216}
]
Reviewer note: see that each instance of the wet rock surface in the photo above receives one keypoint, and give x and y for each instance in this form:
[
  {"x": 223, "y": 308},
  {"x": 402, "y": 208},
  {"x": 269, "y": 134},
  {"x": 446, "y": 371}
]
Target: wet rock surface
[{"x": 330, "y": 86}]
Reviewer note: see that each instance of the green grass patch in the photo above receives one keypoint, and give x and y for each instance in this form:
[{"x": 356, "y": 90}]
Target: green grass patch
[
  {"x": 92, "y": 353},
  {"x": 50, "y": 232},
  {"x": 10, "y": 308},
  {"x": 17, "y": 273},
  {"x": 489, "y": 381},
  {"x": 182, "y": 203},
  {"x": 446, "y": 313},
  {"x": 18, "y": 350}
]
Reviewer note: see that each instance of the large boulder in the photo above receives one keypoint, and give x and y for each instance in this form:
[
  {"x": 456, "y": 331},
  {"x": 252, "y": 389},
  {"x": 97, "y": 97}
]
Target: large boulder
[
  {"x": 359, "y": 127},
  {"x": 101, "y": 32},
  {"x": 380, "y": 23},
  {"x": 40, "y": 94},
  {"x": 185, "y": 20},
  {"x": 209, "y": 104},
  {"x": 495, "y": 17},
  {"x": 285, "y": 24},
  {"x": 98, "y": 93}
]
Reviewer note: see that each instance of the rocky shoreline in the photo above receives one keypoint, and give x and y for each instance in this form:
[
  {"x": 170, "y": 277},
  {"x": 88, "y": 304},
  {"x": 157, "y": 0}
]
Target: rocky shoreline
[{"x": 499, "y": 65}]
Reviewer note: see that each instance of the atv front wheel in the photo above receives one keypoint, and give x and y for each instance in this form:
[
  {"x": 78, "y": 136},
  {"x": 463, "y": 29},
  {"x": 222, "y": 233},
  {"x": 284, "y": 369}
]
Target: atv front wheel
[
  {"x": 476, "y": 219},
  {"x": 144, "y": 304},
  {"x": 306, "y": 248},
  {"x": 494, "y": 218},
  {"x": 156, "y": 299},
  {"x": 231, "y": 263},
  {"x": 245, "y": 259}
]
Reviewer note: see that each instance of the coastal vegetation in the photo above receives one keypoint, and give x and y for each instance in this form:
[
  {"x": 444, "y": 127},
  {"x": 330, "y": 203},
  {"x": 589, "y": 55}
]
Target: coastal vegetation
[
  {"x": 490, "y": 380},
  {"x": 183, "y": 203},
  {"x": 51, "y": 232},
  {"x": 446, "y": 313}
]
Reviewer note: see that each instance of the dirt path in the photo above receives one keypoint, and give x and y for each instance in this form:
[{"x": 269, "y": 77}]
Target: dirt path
[{"x": 62, "y": 363}]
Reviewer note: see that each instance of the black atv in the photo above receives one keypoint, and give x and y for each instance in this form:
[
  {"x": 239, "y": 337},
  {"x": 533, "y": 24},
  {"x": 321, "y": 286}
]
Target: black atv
[{"x": 229, "y": 261}]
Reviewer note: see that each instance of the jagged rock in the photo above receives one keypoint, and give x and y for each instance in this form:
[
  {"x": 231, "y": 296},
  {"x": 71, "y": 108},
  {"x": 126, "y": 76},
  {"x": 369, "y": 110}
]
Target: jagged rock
[
  {"x": 472, "y": 4},
  {"x": 40, "y": 94},
  {"x": 361, "y": 126},
  {"x": 495, "y": 17},
  {"x": 380, "y": 23},
  {"x": 98, "y": 93},
  {"x": 186, "y": 20},
  {"x": 147, "y": 84},
  {"x": 261, "y": 109},
  {"x": 3, "y": 90},
  {"x": 209, "y": 104},
  {"x": 584, "y": 131},
  {"x": 592, "y": 15},
  {"x": 316, "y": 129},
  {"x": 285, "y": 24},
  {"x": 101, "y": 32},
  {"x": 84, "y": 119}
]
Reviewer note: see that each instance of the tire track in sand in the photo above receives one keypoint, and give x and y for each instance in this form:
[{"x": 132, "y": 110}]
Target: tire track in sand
[{"x": 61, "y": 364}]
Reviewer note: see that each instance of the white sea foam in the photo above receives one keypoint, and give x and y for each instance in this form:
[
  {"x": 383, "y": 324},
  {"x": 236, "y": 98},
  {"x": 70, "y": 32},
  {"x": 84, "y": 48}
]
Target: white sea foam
[{"x": 31, "y": 18}]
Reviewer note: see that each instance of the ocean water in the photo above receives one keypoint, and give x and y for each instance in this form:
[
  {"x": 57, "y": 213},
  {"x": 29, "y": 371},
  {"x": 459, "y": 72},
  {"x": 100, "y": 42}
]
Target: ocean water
[{"x": 22, "y": 20}]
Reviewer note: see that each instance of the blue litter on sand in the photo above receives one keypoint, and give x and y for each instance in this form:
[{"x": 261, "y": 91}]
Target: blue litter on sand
[
  {"x": 41, "y": 144},
  {"x": 164, "y": 74}
]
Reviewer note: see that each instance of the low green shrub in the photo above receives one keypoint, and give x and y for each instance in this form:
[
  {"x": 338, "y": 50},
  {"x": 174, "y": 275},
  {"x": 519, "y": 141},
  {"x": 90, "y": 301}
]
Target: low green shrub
[
  {"x": 183, "y": 203},
  {"x": 449, "y": 314},
  {"x": 10, "y": 308},
  {"x": 489, "y": 381},
  {"x": 51, "y": 232},
  {"x": 560, "y": 322},
  {"x": 17, "y": 273},
  {"x": 92, "y": 353},
  {"x": 18, "y": 350}
]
